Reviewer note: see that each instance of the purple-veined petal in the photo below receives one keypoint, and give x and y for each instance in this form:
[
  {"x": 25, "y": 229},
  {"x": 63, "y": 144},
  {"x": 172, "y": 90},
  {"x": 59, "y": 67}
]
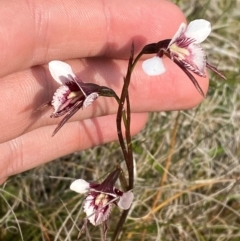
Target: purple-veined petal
[
  {"x": 196, "y": 62},
  {"x": 153, "y": 66},
  {"x": 179, "y": 32},
  {"x": 90, "y": 98},
  {"x": 80, "y": 186},
  {"x": 59, "y": 97},
  {"x": 97, "y": 208},
  {"x": 198, "y": 30},
  {"x": 61, "y": 71},
  {"x": 125, "y": 200},
  {"x": 89, "y": 209}
]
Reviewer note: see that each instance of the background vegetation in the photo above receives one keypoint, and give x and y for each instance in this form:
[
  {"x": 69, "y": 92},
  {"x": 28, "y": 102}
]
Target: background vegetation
[{"x": 188, "y": 167}]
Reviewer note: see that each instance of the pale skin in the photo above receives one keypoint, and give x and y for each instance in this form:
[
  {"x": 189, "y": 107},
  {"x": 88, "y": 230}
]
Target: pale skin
[{"x": 36, "y": 32}]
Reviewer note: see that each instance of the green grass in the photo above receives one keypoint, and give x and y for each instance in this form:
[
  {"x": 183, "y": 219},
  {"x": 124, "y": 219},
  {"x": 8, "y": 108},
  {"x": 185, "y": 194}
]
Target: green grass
[{"x": 200, "y": 197}]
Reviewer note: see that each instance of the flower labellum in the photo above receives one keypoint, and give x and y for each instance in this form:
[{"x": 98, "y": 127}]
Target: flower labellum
[
  {"x": 73, "y": 93},
  {"x": 101, "y": 197},
  {"x": 185, "y": 50}
]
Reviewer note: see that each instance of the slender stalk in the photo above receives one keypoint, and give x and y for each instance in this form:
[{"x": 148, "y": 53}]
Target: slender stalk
[
  {"x": 119, "y": 130},
  {"x": 126, "y": 148},
  {"x": 120, "y": 111},
  {"x": 120, "y": 225},
  {"x": 123, "y": 181},
  {"x": 129, "y": 147}
]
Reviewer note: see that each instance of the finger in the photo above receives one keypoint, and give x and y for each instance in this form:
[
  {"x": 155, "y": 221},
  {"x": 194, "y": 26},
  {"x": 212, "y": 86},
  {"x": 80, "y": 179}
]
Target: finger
[
  {"x": 31, "y": 88},
  {"x": 38, "y": 147},
  {"x": 62, "y": 29}
]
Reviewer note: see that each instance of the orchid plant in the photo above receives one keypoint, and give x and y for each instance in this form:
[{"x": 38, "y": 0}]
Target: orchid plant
[{"x": 73, "y": 94}]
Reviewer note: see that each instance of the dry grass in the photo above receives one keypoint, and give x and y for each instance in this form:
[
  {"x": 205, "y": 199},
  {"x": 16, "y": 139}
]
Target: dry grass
[{"x": 188, "y": 169}]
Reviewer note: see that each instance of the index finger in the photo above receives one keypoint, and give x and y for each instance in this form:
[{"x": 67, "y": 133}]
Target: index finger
[{"x": 35, "y": 32}]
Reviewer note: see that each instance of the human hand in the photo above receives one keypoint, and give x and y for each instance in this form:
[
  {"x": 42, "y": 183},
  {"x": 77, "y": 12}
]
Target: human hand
[{"x": 36, "y": 32}]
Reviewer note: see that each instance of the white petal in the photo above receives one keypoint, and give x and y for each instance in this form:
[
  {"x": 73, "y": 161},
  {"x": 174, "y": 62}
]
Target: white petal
[
  {"x": 90, "y": 210},
  {"x": 59, "y": 97},
  {"x": 125, "y": 200},
  {"x": 179, "y": 32},
  {"x": 197, "y": 58},
  {"x": 94, "y": 215},
  {"x": 80, "y": 186},
  {"x": 90, "y": 98},
  {"x": 61, "y": 71},
  {"x": 153, "y": 66},
  {"x": 198, "y": 29}
]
